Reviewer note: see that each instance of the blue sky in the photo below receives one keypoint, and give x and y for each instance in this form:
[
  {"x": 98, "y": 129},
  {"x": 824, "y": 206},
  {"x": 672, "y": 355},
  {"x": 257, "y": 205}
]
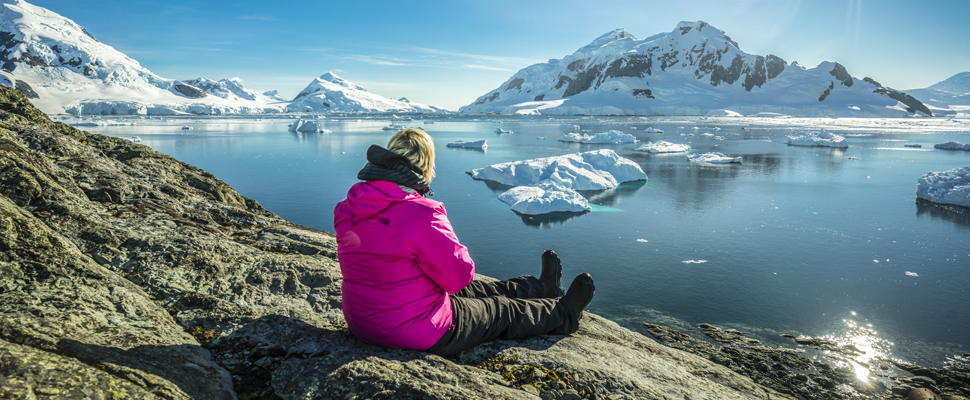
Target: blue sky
[{"x": 447, "y": 53}]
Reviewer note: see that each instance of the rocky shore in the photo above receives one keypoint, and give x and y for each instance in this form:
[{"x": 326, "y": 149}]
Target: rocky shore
[{"x": 126, "y": 274}]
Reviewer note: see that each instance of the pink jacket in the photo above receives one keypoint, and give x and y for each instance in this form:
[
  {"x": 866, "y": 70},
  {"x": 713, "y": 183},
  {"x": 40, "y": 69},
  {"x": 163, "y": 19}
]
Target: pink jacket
[{"x": 400, "y": 258}]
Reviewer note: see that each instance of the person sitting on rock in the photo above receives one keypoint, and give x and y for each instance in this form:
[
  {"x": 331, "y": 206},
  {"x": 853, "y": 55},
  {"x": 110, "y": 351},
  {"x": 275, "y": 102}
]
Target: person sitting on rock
[{"x": 408, "y": 282}]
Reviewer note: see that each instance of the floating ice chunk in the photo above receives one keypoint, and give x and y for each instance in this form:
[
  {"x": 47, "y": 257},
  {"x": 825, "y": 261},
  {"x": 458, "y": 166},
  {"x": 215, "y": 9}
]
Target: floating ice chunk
[
  {"x": 947, "y": 187},
  {"x": 664, "y": 147},
  {"x": 695, "y": 261},
  {"x": 643, "y": 240},
  {"x": 912, "y": 274},
  {"x": 591, "y": 170},
  {"x": 304, "y": 125},
  {"x": 569, "y": 128},
  {"x": 394, "y": 127},
  {"x": 820, "y": 139},
  {"x": 770, "y": 115},
  {"x": 610, "y": 137},
  {"x": 544, "y": 198},
  {"x": 952, "y": 146},
  {"x": 724, "y": 113},
  {"x": 714, "y": 158},
  {"x": 573, "y": 137},
  {"x": 461, "y": 143},
  {"x": 133, "y": 139},
  {"x": 652, "y": 130},
  {"x": 500, "y": 130}
]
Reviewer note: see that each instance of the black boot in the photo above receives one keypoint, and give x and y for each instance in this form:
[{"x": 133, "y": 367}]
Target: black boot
[
  {"x": 580, "y": 293},
  {"x": 551, "y": 274}
]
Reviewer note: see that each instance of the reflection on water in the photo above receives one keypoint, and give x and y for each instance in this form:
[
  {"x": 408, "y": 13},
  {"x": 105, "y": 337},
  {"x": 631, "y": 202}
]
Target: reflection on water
[
  {"x": 862, "y": 346},
  {"x": 960, "y": 216},
  {"x": 611, "y": 197},
  {"x": 472, "y": 149},
  {"x": 549, "y": 220}
]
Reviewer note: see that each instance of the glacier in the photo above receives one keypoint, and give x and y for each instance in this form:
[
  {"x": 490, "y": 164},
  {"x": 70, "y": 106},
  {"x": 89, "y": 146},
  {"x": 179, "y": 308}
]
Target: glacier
[{"x": 947, "y": 187}]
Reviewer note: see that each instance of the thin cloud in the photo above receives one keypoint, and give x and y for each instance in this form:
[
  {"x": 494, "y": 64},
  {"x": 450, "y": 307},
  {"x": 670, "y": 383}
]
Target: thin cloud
[
  {"x": 266, "y": 18},
  {"x": 201, "y": 48},
  {"x": 487, "y": 68}
]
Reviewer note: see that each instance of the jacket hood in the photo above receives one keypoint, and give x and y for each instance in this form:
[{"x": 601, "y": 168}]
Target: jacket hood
[
  {"x": 366, "y": 199},
  {"x": 386, "y": 165}
]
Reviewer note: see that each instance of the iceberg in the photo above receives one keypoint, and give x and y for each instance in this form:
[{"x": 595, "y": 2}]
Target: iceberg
[
  {"x": 394, "y": 127},
  {"x": 820, "y": 139},
  {"x": 653, "y": 130},
  {"x": 947, "y": 187},
  {"x": 952, "y": 146},
  {"x": 478, "y": 144},
  {"x": 714, "y": 158},
  {"x": 664, "y": 147},
  {"x": 591, "y": 170},
  {"x": 544, "y": 198},
  {"x": 304, "y": 125},
  {"x": 500, "y": 130},
  {"x": 610, "y": 137},
  {"x": 569, "y": 128}
]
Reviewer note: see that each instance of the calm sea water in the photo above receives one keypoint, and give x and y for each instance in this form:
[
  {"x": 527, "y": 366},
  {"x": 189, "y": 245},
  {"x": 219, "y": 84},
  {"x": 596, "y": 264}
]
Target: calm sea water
[{"x": 812, "y": 241}]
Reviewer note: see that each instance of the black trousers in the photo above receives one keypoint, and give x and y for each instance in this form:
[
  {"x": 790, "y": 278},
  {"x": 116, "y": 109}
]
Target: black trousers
[{"x": 512, "y": 309}]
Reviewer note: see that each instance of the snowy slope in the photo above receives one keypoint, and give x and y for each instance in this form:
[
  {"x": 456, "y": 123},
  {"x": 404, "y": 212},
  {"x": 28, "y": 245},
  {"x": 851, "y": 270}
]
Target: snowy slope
[
  {"x": 233, "y": 89},
  {"x": 331, "y": 93},
  {"x": 70, "y": 71},
  {"x": 693, "y": 70},
  {"x": 949, "y": 96}
]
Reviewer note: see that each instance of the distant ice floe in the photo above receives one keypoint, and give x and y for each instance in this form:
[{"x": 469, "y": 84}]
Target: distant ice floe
[
  {"x": 714, "y": 158},
  {"x": 819, "y": 139},
  {"x": 549, "y": 184},
  {"x": 643, "y": 240},
  {"x": 133, "y": 139},
  {"x": 500, "y": 130},
  {"x": 610, "y": 137},
  {"x": 304, "y": 125},
  {"x": 569, "y": 128},
  {"x": 912, "y": 274},
  {"x": 478, "y": 144},
  {"x": 652, "y": 130},
  {"x": 724, "y": 113},
  {"x": 106, "y": 122},
  {"x": 664, "y": 147},
  {"x": 695, "y": 261},
  {"x": 394, "y": 127},
  {"x": 544, "y": 198},
  {"x": 947, "y": 187},
  {"x": 952, "y": 146}
]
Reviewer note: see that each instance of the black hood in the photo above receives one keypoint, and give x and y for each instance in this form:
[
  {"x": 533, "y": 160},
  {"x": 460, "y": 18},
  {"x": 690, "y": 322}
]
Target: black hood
[{"x": 386, "y": 165}]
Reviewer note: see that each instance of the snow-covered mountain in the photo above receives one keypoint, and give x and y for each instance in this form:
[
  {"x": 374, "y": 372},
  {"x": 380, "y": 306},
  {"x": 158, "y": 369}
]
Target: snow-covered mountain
[
  {"x": 947, "y": 97},
  {"x": 233, "y": 89},
  {"x": 63, "y": 68},
  {"x": 331, "y": 93},
  {"x": 693, "y": 70}
]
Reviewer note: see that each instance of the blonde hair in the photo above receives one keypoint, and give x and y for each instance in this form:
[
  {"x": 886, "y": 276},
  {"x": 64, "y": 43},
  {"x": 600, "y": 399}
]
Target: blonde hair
[{"x": 418, "y": 147}]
